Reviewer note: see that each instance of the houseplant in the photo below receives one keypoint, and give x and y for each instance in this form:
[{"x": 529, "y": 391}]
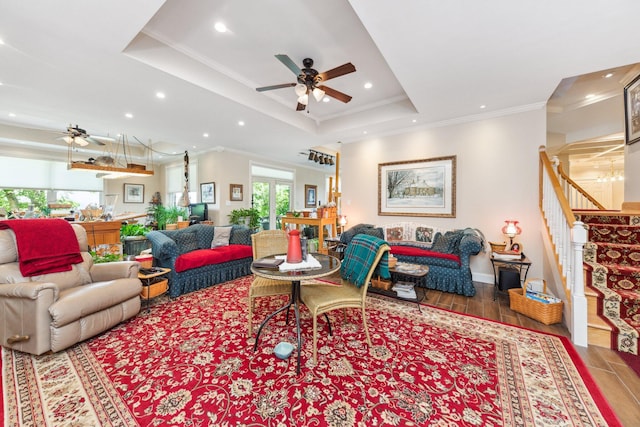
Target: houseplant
[{"x": 249, "y": 217}]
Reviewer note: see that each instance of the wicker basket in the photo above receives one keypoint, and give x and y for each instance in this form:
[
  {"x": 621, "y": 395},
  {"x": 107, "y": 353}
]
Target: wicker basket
[
  {"x": 393, "y": 261},
  {"x": 545, "y": 313},
  {"x": 497, "y": 247},
  {"x": 381, "y": 283},
  {"x": 155, "y": 289}
]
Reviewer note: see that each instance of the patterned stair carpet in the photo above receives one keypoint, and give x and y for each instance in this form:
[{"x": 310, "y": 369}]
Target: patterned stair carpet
[
  {"x": 189, "y": 362},
  {"x": 612, "y": 258}
]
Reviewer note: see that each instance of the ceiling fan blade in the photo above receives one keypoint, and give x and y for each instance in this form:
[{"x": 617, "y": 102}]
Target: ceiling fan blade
[
  {"x": 93, "y": 140},
  {"x": 300, "y": 107},
  {"x": 265, "y": 88},
  {"x": 337, "y": 72},
  {"x": 335, "y": 94},
  {"x": 289, "y": 64}
]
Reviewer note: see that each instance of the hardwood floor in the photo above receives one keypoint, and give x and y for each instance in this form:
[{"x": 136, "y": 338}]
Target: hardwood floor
[{"x": 618, "y": 382}]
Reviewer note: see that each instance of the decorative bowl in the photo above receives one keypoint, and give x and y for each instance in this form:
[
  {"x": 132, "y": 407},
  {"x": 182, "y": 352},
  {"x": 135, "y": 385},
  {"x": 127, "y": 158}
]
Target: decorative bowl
[{"x": 283, "y": 350}]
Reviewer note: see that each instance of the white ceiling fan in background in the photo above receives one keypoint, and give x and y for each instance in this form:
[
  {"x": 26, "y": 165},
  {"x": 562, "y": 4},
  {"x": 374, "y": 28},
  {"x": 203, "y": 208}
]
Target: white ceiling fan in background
[{"x": 78, "y": 136}]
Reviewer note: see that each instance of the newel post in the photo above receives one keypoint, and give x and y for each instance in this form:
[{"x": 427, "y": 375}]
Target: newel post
[{"x": 578, "y": 299}]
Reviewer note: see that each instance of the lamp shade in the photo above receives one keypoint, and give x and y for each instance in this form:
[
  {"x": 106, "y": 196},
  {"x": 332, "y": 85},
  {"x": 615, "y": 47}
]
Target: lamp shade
[
  {"x": 511, "y": 228},
  {"x": 318, "y": 94},
  {"x": 300, "y": 89},
  {"x": 304, "y": 99}
]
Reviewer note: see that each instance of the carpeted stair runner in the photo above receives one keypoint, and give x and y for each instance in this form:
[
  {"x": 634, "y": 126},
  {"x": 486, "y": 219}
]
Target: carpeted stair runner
[{"x": 612, "y": 262}]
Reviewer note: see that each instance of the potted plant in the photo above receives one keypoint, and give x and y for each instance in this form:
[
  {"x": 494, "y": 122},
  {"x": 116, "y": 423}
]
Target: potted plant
[
  {"x": 249, "y": 217},
  {"x": 134, "y": 238},
  {"x": 172, "y": 214}
]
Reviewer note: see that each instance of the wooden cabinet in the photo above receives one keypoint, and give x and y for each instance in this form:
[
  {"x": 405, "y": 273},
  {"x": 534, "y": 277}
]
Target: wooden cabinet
[{"x": 102, "y": 232}]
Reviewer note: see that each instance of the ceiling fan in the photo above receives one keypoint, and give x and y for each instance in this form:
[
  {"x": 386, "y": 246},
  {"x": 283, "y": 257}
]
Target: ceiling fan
[
  {"x": 79, "y": 136},
  {"x": 310, "y": 81}
]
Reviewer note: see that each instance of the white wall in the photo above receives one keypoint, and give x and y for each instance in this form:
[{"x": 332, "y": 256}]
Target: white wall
[
  {"x": 228, "y": 167},
  {"x": 632, "y": 173},
  {"x": 497, "y": 175},
  {"x": 151, "y": 184}
]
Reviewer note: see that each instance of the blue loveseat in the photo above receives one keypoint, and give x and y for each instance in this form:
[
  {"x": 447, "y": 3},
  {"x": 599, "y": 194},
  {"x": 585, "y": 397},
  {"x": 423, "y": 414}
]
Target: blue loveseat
[
  {"x": 447, "y": 253},
  {"x": 194, "y": 264}
]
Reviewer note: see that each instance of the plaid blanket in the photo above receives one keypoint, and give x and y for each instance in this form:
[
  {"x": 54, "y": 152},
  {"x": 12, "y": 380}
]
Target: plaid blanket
[{"x": 358, "y": 257}]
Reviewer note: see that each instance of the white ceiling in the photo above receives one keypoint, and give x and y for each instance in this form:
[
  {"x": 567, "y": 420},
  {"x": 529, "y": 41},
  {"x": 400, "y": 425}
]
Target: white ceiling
[{"x": 89, "y": 62}]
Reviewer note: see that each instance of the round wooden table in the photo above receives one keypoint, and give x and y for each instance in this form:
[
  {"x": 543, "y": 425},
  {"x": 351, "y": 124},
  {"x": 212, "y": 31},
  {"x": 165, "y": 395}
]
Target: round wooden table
[{"x": 328, "y": 265}]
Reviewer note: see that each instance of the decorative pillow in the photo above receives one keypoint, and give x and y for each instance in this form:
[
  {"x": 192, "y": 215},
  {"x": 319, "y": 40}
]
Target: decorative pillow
[
  {"x": 446, "y": 243},
  {"x": 394, "y": 234},
  {"x": 240, "y": 236},
  {"x": 349, "y": 234},
  {"x": 187, "y": 242},
  {"x": 221, "y": 236},
  {"x": 424, "y": 234}
]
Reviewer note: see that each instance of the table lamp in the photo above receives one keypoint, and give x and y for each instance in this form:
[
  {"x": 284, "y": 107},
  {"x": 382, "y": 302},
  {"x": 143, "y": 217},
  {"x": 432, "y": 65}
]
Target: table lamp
[
  {"x": 511, "y": 230},
  {"x": 342, "y": 221}
]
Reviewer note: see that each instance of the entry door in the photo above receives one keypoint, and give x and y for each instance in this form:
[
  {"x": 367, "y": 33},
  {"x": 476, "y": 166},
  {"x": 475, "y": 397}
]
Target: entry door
[{"x": 272, "y": 199}]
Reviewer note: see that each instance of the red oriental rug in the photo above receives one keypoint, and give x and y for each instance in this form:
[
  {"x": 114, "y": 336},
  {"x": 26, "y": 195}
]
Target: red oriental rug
[{"x": 188, "y": 362}]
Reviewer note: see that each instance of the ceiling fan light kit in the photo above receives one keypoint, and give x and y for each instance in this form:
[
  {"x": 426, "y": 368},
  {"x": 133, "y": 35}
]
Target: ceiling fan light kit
[{"x": 309, "y": 81}]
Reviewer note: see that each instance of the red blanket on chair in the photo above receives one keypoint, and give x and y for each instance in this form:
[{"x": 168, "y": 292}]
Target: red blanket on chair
[{"x": 44, "y": 245}]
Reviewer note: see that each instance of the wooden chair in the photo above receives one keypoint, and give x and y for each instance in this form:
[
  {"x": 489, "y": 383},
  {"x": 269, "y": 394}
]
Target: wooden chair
[
  {"x": 264, "y": 244},
  {"x": 321, "y": 299}
]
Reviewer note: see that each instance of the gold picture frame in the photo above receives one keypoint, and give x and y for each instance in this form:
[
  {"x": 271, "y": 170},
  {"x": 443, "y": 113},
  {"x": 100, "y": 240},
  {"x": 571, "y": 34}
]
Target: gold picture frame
[
  {"x": 235, "y": 192},
  {"x": 425, "y": 187}
]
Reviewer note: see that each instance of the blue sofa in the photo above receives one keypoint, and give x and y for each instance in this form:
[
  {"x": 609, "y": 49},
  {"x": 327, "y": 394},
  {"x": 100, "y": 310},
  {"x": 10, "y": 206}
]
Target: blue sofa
[
  {"x": 194, "y": 264},
  {"x": 447, "y": 253}
]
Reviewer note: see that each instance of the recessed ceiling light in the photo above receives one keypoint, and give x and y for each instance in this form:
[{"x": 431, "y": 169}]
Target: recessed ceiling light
[
  {"x": 326, "y": 99},
  {"x": 129, "y": 116},
  {"x": 160, "y": 95},
  {"x": 12, "y": 114},
  {"x": 368, "y": 85},
  {"x": 206, "y": 135},
  {"x": 589, "y": 96},
  {"x": 483, "y": 106},
  {"x": 240, "y": 123},
  {"x": 608, "y": 75},
  {"x": 0, "y": 83},
  {"x": 220, "y": 27},
  {"x": 364, "y": 132},
  {"x": 1, "y": 42},
  {"x": 414, "y": 120}
]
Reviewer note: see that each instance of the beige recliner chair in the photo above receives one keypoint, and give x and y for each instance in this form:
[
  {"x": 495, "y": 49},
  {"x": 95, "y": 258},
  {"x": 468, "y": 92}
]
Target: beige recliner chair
[{"x": 56, "y": 310}]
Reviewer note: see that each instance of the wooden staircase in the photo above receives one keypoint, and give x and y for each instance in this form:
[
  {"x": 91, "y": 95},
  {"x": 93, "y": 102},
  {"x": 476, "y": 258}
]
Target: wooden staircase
[{"x": 612, "y": 278}]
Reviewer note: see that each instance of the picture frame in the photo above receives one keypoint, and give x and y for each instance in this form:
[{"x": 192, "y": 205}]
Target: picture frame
[
  {"x": 516, "y": 247},
  {"x": 133, "y": 193},
  {"x": 632, "y": 111},
  {"x": 425, "y": 187},
  {"x": 235, "y": 192},
  {"x": 208, "y": 192},
  {"x": 310, "y": 196}
]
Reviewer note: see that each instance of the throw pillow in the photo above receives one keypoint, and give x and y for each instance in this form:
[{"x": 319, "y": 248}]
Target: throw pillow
[
  {"x": 187, "y": 242},
  {"x": 394, "y": 234},
  {"x": 446, "y": 243},
  {"x": 240, "y": 236},
  {"x": 221, "y": 236},
  {"x": 424, "y": 234}
]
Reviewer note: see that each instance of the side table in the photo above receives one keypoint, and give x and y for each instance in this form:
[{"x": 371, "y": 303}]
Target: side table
[
  {"x": 414, "y": 273},
  {"x": 519, "y": 266},
  {"x": 154, "y": 283}
]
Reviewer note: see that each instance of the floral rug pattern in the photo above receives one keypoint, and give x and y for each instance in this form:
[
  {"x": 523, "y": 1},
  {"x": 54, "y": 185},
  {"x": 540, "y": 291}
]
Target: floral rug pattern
[
  {"x": 189, "y": 362},
  {"x": 612, "y": 260}
]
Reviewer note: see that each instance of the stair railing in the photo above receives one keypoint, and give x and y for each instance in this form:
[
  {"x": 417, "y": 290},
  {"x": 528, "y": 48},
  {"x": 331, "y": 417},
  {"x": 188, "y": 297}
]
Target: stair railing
[
  {"x": 567, "y": 237},
  {"x": 578, "y": 198}
]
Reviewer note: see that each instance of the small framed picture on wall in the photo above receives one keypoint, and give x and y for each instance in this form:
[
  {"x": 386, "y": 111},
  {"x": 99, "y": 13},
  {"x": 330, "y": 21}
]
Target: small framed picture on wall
[
  {"x": 310, "y": 195},
  {"x": 208, "y": 192},
  {"x": 133, "y": 193},
  {"x": 235, "y": 192}
]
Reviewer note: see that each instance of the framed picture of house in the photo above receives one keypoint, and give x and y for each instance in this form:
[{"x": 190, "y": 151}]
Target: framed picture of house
[
  {"x": 425, "y": 187},
  {"x": 310, "y": 193},
  {"x": 208, "y": 192},
  {"x": 235, "y": 192},
  {"x": 133, "y": 193},
  {"x": 632, "y": 111}
]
